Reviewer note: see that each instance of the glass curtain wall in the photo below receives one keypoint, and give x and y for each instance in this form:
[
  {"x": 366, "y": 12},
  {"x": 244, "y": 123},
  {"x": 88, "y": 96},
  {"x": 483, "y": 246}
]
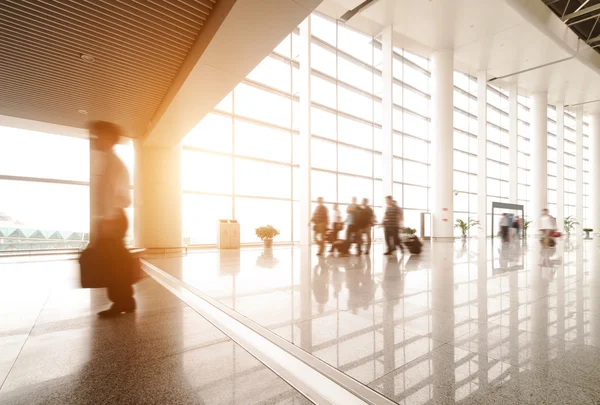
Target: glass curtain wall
[
  {"x": 411, "y": 139},
  {"x": 569, "y": 165},
  {"x": 251, "y": 134},
  {"x": 238, "y": 161},
  {"x": 586, "y": 173},
  {"x": 345, "y": 115},
  {"x": 551, "y": 165},
  {"x": 465, "y": 148},
  {"x": 497, "y": 151},
  {"x": 44, "y": 189},
  {"x": 523, "y": 154}
]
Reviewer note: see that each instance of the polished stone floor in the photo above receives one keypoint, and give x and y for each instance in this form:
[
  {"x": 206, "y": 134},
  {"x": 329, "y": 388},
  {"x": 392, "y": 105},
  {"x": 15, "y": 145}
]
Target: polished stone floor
[
  {"x": 470, "y": 323},
  {"x": 54, "y": 350}
]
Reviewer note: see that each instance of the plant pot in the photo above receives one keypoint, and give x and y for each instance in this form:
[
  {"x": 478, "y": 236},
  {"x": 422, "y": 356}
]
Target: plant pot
[{"x": 268, "y": 243}]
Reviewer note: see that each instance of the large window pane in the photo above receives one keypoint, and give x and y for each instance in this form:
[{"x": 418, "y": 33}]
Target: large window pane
[
  {"x": 273, "y": 72},
  {"x": 415, "y": 173},
  {"x": 355, "y": 43},
  {"x": 416, "y": 126},
  {"x": 206, "y": 173},
  {"x": 323, "y": 185},
  {"x": 323, "y": 28},
  {"x": 200, "y": 215},
  {"x": 262, "y": 142},
  {"x": 262, "y": 179},
  {"x": 322, "y": 59},
  {"x": 48, "y": 207},
  {"x": 322, "y": 123},
  {"x": 323, "y": 91},
  {"x": 354, "y": 103},
  {"x": 355, "y": 74},
  {"x": 263, "y": 105},
  {"x": 212, "y": 133},
  {"x": 254, "y": 212},
  {"x": 355, "y": 132},
  {"x": 350, "y": 186},
  {"x": 36, "y": 154},
  {"x": 323, "y": 154},
  {"x": 355, "y": 161},
  {"x": 415, "y": 197},
  {"x": 416, "y": 149}
]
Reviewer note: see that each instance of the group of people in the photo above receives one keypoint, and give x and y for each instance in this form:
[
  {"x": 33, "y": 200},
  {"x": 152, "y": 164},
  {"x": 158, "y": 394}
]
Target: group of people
[
  {"x": 510, "y": 228},
  {"x": 360, "y": 220}
]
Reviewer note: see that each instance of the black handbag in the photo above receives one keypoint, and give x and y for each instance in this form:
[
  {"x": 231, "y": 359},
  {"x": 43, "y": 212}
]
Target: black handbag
[
  {"x": 91, "y": 269},
  {"x": 103, "y": 264}
]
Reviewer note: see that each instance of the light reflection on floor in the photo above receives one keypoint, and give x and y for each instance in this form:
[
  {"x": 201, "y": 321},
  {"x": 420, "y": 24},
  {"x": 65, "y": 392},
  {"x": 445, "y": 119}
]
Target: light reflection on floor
[{"x": 467, "y": 322}]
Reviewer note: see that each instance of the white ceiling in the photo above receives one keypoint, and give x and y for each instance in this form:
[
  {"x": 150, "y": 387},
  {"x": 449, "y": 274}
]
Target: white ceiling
[{"x": 499, "y": 36}]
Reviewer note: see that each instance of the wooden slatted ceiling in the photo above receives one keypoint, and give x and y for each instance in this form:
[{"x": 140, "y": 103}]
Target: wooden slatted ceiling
[{"x": 138, "y": 47}]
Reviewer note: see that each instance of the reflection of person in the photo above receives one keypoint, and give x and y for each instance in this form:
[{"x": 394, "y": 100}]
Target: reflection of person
[
  {"x": 320, "y": 221},
  {"x": 320, "y": 284},
  {"x": 546, "y": 227},
  {"x": 111, "y": 223},
  {"x": 393, "y": 280}
]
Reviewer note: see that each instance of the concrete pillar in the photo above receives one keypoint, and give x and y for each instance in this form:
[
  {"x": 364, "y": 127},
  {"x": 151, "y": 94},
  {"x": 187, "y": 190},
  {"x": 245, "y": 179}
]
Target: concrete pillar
[
  {"x": 387, "y": 104},
  {"x": 560, "y": 165},
  {"x": 442, "y": 121},
  {"x": 579, "y": 172},
  {"x": 305, "y": 135},
  {"x": 594, "y": 170},
  {"x": 513, "y": 150},
  {"x": 482, "y": 152},
  {"x": 539, "y": 158},
  {"x": 96, "y": 169},
  {"x": 158, "y": 197}
]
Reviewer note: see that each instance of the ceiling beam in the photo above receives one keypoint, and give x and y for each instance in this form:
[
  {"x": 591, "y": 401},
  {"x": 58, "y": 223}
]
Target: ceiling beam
[
  {"x": 593, "y": 40},
  {"x": 579, "y": 13}
]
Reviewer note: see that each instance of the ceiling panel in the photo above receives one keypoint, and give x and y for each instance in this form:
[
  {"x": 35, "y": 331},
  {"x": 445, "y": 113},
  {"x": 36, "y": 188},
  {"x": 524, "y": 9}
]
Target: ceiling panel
[{"x": 114, "y": 59}]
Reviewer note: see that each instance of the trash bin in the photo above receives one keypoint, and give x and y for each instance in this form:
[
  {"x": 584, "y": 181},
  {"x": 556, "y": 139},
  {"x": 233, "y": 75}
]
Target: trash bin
[{"x": 228, "y": 236}]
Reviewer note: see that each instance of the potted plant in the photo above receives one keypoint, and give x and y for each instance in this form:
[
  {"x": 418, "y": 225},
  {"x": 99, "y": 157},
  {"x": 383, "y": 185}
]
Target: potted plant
[
  {"x": 266, "y": 234},
  {"x": 587, "y": 232},
  {"x": 465, "y": 226},
  {"x": 569, "y": 224},
  {"x": 407, "y": 231}
]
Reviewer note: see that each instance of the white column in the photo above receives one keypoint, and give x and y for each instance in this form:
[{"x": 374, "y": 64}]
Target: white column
[
  {"x": 482, "y": 152},
  {"x": 594, "y": 171},
  {"x": 539, "y": 158},
  {"x": 579, "y": 171},
  {"x": 387, "y": 37},
  {"x": 305, "y": 136},
  {"x": 158, "y": 197},
  {"x": 513, "y": 150},
  {"x": 95, "y": 175},
  {"x": 442, "y": 125},
  {"x": 560, "y": 165}
]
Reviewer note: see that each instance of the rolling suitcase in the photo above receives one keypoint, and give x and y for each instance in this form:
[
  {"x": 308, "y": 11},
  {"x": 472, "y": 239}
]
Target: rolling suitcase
[{"x": 413, "y": 244}]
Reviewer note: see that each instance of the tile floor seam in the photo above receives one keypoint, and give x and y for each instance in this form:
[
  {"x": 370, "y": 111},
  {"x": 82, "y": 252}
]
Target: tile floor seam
[
  {"x": 25, "y": 341},
  {"x": 405, "y": 364}
]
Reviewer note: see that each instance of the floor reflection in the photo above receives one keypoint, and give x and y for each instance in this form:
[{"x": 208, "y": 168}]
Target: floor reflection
[{"x": 468, "y": 322}]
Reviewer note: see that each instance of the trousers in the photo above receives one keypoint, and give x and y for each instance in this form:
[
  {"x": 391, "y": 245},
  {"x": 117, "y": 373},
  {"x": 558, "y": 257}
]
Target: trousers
[{"x": 392, "y": 238}]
